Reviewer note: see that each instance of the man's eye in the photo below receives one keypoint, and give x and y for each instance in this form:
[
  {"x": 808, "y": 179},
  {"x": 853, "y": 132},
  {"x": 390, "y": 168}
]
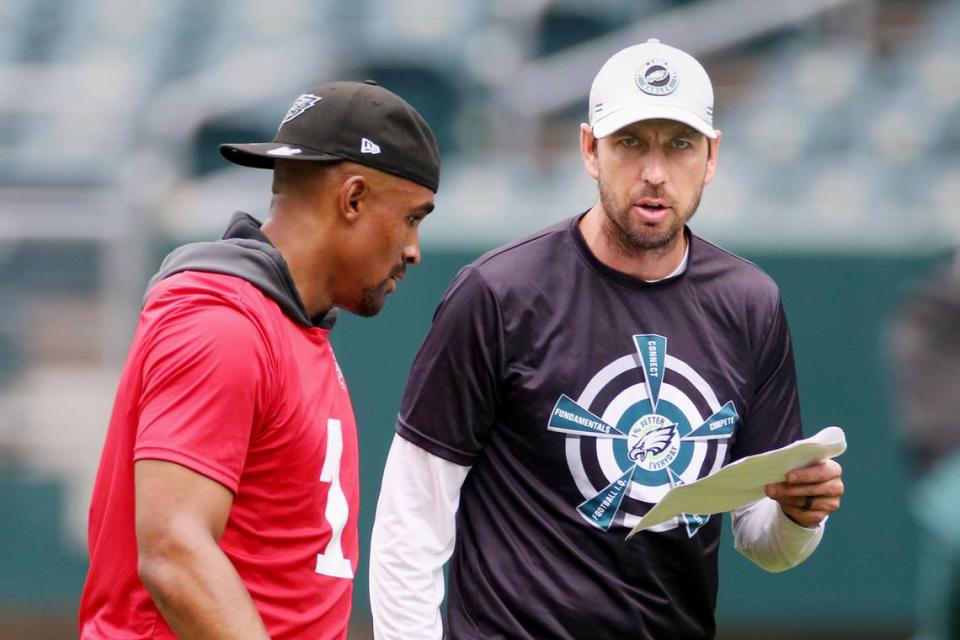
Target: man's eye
[
  {"x": 680, "y": 143},
  {"x": 629, "y": 141}
]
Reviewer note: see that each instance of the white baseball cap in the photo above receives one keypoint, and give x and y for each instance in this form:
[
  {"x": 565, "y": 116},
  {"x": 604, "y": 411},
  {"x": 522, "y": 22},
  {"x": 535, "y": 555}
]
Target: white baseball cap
[{"x": 647, "y": 81}]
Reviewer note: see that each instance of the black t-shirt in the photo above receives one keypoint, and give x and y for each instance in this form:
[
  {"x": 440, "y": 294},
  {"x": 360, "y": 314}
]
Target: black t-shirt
[{"x": 579, "y": 395}]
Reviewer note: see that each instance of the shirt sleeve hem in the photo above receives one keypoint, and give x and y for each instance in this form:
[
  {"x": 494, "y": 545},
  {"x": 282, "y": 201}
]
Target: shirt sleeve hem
[
  {"x": 795, "y": 529},
  {"x": 439, "y": 449},
  {"x": 203, "y": 467}
]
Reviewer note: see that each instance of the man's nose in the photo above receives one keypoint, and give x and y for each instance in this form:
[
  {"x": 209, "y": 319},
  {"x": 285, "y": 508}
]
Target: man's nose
[
  {"x": 653, "y": 168},
  {"x": 411, "y": 252}
]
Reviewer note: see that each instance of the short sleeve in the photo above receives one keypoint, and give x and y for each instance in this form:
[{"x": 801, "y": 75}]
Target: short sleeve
[
  {"x": 204, "y": 371},
  {"x": 772, "y": 419},
  {"x": 449, "y": 404}
]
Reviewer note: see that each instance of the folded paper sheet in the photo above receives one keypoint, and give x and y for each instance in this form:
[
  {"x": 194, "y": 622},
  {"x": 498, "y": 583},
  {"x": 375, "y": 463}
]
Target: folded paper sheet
[{"x": 743, "y": 481}]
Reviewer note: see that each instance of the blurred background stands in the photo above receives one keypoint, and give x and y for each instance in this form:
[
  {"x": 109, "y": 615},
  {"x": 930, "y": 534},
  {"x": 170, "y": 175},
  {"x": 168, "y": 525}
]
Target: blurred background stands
[{"x": 841, "y": 123}]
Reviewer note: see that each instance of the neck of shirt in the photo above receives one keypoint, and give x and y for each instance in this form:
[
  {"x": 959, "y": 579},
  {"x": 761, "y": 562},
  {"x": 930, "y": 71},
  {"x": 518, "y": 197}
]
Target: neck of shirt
[{"x": 680, "y": 267}]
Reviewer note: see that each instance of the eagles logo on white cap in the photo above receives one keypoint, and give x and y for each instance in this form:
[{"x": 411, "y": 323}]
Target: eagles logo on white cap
[
  {"x": 651, "y": 81},
  {"x": 657, "y": 78}
]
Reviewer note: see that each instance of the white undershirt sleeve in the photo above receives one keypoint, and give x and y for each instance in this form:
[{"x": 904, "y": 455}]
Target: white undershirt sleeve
[
  {"x": 771, "y": 540},
  {"x": 413, "y": 536}
]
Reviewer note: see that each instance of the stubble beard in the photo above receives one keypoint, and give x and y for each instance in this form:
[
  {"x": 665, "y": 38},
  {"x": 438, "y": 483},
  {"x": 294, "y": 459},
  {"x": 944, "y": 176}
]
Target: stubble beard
[
  {"x": 631, "y": 238},
  {"x": 372, "y": 299}
]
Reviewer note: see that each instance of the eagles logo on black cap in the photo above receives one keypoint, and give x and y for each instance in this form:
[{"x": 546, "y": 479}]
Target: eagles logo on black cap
[{"x": 357, "y": 121}]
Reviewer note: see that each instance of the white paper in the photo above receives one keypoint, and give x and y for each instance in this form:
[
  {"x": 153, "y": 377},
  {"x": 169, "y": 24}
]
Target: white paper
[{"x": 743, "y": 481}]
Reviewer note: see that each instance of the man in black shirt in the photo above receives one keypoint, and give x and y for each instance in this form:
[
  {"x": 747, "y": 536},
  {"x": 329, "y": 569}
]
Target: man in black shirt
[{"x": 572, "y": 378}]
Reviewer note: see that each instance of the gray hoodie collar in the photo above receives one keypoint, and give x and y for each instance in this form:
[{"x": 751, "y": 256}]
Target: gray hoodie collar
[{"x": 245, "y": 252}]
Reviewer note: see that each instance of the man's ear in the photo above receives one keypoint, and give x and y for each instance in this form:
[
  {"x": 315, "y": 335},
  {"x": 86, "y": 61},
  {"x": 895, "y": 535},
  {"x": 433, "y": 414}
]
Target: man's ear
[
  {"x": 588, "y": 151},
  {"x": 353, "y": 191},
  {"x": 713, "y": 153}
]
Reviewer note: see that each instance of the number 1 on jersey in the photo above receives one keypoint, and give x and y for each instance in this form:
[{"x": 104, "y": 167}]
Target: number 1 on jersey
[{"x": 332, "y": 561}]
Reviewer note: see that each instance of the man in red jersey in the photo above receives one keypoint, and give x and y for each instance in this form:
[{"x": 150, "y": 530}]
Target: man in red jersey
[{"x": 226, "y": 499}]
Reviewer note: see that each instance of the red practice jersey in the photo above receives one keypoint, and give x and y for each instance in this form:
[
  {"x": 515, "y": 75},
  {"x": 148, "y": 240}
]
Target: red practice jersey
[{"x": 221, "y": 381}]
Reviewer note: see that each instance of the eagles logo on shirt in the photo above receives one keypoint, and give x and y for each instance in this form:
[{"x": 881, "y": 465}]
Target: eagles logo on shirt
[
  {"x": 653, "y": 442},
  {"x": 632, "y": 435}
]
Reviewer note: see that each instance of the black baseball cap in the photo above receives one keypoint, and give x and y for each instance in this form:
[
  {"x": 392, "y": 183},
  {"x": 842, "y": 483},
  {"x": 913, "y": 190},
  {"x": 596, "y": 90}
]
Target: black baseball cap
[{"x": 357, "y": 121}]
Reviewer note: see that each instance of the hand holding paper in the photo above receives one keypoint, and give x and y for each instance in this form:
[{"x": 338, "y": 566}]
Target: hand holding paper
[{"x": 743, "y": 481}]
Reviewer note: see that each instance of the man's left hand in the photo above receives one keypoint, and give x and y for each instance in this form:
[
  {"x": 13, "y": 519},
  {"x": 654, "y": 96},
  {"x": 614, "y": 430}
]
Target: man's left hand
[{"x": 809, "y": 494}]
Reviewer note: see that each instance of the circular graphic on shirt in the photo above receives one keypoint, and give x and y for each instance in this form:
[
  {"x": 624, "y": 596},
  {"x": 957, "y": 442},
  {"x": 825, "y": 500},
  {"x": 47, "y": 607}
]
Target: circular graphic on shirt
[{"x": 643, "y": 424}]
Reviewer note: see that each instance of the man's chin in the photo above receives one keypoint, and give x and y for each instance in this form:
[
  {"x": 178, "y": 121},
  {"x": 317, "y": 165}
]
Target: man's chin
[
  {"x": 372, "y": 300},
  {"x": 645, "y": 238},
  {"x": 653, "y": 241}
]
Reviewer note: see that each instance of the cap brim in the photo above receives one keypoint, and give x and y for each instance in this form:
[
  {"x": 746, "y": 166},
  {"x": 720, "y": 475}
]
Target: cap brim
[
  {"x": 635, "y": 113},
  {"x": 262, "y": 155}
]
